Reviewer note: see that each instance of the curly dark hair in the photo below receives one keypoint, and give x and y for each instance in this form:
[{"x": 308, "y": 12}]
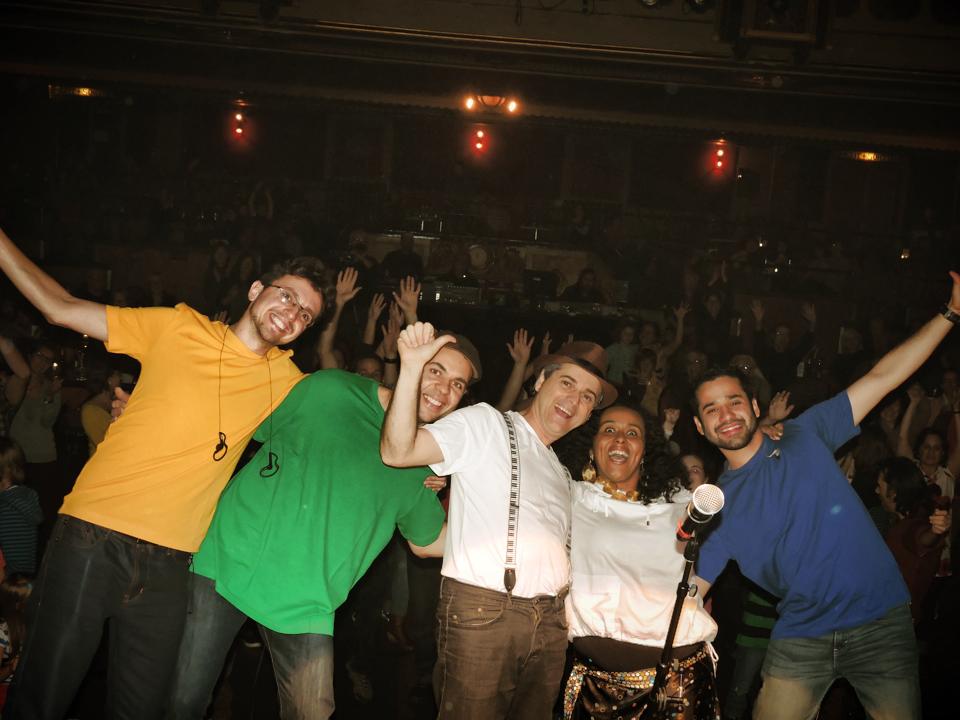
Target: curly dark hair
[
  {"x": 662, "y": 474},
  {"x": 314, "y": 272}
]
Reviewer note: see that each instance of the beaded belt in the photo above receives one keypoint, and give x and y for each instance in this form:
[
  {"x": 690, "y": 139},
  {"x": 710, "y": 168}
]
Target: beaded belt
[{"x": 634, "y": 679}]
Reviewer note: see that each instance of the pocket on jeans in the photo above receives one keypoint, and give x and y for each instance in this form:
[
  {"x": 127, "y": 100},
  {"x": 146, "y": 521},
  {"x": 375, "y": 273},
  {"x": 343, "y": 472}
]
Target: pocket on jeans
[{"x": 478, "y": 614}]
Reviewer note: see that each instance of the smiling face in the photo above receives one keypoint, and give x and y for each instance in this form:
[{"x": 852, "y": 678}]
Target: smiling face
[
  {"x": 725, "y": 414},
  {"x": 564, "y": 401},
  {"x": 282, "y": 310},
  {"x": 618, "y": 447},
  {"x": 443, "y": 383}
]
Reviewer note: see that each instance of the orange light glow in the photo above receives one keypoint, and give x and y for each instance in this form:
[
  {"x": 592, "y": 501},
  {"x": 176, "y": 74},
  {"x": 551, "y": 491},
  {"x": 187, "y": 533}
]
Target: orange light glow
[
  {"x": 239, "y": 116},
  {"x": 512, "y": 106},
  {"x": 720, "y": 152},
  {"x": 238, "y": 131},
  {"x": 479, "y": 146},
  {"x": 719, "y": 164},
  {"x": 469, "y": 103},
  {"x": 480, "y": 133}
]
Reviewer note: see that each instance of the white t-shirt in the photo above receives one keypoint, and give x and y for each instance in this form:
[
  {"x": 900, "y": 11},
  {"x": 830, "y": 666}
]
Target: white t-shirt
[
  {"x": 626, "y": 567},
  {"x": 476, "y": 451}
]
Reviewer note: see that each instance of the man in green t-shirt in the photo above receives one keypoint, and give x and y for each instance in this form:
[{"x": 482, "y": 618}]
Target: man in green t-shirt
[{"x": 285, "y": 549}]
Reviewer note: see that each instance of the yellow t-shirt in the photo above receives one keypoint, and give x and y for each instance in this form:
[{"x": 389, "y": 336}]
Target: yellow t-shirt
[{"x": 154, "y": 476}]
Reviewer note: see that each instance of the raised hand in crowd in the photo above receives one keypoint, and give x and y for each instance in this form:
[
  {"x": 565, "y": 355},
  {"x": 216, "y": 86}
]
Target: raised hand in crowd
[
  {"x": 545, "y": 344},
  {"x": 346, "y": 290},
  {"x": 388, "y": 346},
  {"x": 408, "y": 298},
  {"x": 375, "y": 309},
  {"x": 16, "y": 386},
  {"x": 779, "y": 408},
  {"x": 347, "y": 286},
  {"x": 519, "y": 351}
]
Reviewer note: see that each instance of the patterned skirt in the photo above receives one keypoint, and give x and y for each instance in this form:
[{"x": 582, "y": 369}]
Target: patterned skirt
[{"x": 593, "y": 693}]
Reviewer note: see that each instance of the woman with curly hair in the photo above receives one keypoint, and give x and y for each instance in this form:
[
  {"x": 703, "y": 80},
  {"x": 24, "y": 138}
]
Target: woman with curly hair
[{"x": 626, "y": 564}]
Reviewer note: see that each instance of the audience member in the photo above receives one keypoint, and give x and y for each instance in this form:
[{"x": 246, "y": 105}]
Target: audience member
[{"x": 20, "y": 513}]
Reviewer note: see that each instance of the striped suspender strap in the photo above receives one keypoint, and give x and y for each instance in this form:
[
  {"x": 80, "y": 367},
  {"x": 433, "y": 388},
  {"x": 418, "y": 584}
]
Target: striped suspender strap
[{"x": 513, "y": 516}]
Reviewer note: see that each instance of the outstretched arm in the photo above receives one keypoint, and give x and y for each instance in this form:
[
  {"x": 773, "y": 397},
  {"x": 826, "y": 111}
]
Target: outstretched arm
[
  {"x": 58, "y": 306},
  {"x": 402, "y": 443},
  {"x": 16, "y": 386},
  {"x": 901, "y": 362},
  {"x": 679, "y": 312}
]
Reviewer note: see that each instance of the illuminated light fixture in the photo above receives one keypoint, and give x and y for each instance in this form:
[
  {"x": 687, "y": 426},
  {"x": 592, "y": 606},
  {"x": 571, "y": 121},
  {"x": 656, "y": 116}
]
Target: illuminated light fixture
[
  {"x": 479, "y": 146},
  {"x": 866, "y": 156},
  {"x": 905, "y": 253},
  {"x": 719, "y": 164},
  {"x": 720, "y": 152},
  {"x": 55, "y": 91},
  {"x": 238, "y": 131},
  {"x": 650, "y": 3},
  {"x": 480, "y": 133},
  {"x": 479, "y": 101},
  {"x": 238, "y": 116}
]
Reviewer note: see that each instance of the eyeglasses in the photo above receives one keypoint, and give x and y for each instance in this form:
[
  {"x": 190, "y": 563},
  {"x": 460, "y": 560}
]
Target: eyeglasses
[{"x": 288, "y": 299}]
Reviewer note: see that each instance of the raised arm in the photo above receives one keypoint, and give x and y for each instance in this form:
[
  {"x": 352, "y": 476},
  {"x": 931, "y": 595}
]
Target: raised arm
[
  {"x": 16, "y": 385},
  {"x": 679, "y": 312},
  {"x": 373, "y": 315},
  {"x": 346, "y": 290},
  {"x": 402, "y": 442},
  {"x": 58, "y": 306},
  {"x": 519, "y": 350},
  {"x": 901, "y": 362},
  {"x": 408, "y": 298},
  {"x": 915, "y": 394},
  {"x": 388, "y": 345}
]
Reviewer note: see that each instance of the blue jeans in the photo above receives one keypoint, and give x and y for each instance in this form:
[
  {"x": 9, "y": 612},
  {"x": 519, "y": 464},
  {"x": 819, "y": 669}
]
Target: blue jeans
[
  {"x": 879, "y": 659},
  {"x": 302, "y": 664},
  {"x": 91, "y": 575},
  {"x": 497, "y": 658}
]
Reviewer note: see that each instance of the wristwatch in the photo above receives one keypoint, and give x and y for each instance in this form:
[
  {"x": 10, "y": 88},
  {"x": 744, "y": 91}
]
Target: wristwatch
[{"x": 950, "y": 314}]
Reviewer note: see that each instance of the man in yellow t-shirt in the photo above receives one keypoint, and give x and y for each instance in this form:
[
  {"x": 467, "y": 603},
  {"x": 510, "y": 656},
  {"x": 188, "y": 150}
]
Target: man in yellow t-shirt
[{"x": 121, "y": 548}]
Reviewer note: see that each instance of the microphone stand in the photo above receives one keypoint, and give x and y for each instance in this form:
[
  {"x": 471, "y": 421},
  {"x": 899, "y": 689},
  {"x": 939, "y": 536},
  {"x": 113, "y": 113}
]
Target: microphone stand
[{"x": 658, "y": 693}]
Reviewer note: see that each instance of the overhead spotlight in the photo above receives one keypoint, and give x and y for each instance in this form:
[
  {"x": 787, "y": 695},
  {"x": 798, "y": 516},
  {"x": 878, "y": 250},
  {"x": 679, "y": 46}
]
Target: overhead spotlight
[
  {"x": 489, "y": 102},
  {"x": 238, "y": 117}
]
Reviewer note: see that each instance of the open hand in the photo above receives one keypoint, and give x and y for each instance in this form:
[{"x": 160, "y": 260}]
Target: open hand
[
  {"x": 408, "y": 298},
  {"x": 780, "y": 407},
  {"x": 347, "y": 286},
  {"x": 520, "y": 348}
]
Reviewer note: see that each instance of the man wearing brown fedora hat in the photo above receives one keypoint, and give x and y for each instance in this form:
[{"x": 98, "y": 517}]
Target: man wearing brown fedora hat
[{"x": 503, "y": 638}]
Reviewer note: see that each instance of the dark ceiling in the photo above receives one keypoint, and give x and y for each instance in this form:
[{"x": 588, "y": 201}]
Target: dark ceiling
[{"x": 781, "y": 93}]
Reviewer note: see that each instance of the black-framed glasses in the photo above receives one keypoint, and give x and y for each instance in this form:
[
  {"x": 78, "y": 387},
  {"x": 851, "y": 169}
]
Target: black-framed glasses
[{"x": 289, "y": 299}]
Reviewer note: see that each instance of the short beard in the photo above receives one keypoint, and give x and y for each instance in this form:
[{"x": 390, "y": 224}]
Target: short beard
[{"x": 738, "y": 443}]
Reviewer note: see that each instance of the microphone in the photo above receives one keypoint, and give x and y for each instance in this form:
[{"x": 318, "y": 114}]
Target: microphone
[{"x": 707, "y": 501}]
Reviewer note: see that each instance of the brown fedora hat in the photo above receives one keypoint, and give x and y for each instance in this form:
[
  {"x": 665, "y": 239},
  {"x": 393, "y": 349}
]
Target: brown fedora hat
[{"x": 587, "y": 355}]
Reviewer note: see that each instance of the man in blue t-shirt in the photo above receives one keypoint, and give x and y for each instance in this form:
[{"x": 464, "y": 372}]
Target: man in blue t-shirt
[{"x": 796, "y": 528}]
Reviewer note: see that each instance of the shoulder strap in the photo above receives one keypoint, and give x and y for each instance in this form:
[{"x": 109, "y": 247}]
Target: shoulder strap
[{"x": 513, "y": 516}]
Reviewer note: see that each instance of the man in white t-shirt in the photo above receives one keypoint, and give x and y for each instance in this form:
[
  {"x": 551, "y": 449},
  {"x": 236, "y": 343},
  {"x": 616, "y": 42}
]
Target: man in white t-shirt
[{"x": 500, "y": 650}]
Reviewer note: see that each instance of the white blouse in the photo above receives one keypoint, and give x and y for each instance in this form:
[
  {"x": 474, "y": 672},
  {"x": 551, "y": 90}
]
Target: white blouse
[{"x": 626, "y": 564}]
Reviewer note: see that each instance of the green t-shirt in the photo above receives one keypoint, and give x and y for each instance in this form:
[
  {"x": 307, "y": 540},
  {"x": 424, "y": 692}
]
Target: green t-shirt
[{"x": 286, "y": 550}]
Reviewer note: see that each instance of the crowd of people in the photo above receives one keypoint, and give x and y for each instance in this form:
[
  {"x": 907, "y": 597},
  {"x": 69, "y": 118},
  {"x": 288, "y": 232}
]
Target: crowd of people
[{"x": 553, "y": 499}]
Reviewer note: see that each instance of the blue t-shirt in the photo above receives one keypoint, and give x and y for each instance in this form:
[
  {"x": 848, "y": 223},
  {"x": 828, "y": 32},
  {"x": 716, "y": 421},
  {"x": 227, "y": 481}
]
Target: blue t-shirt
[{"x": 796, "y": 528}]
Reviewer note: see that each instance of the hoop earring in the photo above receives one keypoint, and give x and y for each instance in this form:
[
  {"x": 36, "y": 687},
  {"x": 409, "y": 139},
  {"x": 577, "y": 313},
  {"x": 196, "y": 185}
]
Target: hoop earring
[{"x": 589, "y": 472}]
